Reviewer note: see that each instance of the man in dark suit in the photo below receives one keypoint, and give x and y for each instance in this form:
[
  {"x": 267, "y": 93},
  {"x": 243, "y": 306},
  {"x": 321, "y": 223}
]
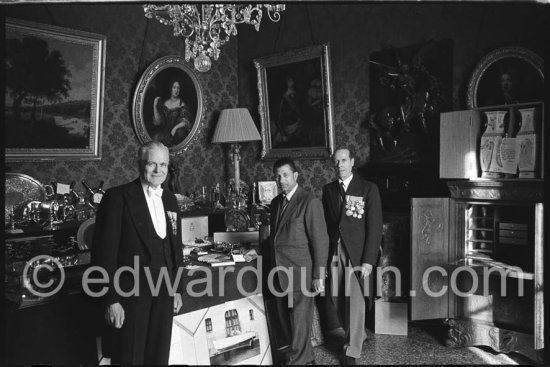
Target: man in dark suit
[
  {"x": 136, "y": 226},
  {"x": 299, "y": 248},
  {"x": 353, "y": 212}
]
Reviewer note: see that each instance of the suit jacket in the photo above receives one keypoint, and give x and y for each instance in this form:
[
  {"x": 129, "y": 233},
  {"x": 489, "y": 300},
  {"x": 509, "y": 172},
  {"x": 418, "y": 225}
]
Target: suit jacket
[
  {"x": 123, "y": 230},
  {"x": 300, "y": 239},
  {"x": 360, "y": 237}
]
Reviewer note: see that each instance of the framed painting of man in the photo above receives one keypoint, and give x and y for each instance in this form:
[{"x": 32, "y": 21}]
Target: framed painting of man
[
  {"x": 53, "y": 92},
  {"x": 168, "y": 104},
  {"x": 296, "y": 107}
]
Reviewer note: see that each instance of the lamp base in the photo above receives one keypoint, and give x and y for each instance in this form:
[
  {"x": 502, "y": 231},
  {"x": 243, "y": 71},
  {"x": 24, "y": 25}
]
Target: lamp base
[{"x": 235, "y": 151}]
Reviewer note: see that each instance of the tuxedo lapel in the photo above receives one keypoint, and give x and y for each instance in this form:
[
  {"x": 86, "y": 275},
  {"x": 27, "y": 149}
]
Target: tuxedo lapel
[
  {"x": 338, "y": 206},
  {"x": 354, "y": 187},
  {"x": 139, "y": 211}
]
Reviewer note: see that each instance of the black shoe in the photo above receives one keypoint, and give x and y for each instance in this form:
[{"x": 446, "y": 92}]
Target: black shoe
[
  {"x": 311, "y": 363},
  {"x": 350, "y": 361}
]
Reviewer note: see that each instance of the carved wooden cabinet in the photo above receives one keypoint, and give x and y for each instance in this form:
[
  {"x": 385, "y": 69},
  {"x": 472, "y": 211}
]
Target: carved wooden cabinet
[
  {"x": 477, "y": 263},
  {"x": 477, "y": 256},
  {"x": 461, "y": 156}
]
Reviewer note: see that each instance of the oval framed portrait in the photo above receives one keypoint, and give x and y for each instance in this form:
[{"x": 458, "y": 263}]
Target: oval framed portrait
[
  {"x": 507, "y": 75},
  {"x": 168, "y": 104}
]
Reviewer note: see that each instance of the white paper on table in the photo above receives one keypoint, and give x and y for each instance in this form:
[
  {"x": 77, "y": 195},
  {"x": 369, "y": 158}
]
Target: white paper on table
[
  {"x": 238, "y": 258},
  {"x": 194, "y": 227},
  {"x": 62, "y": 188}
]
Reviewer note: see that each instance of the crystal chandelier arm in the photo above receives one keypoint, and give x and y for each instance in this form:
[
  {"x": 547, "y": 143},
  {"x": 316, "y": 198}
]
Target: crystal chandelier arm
[
  {"x": 274, "y": 11},
  {"x": 216, "y": 30},
  {"x": 189, "y": 19},
  {"x": 252, "y": 15},
  {"x": 230, "y": 18},
  {"x": 209, "y": 26}
]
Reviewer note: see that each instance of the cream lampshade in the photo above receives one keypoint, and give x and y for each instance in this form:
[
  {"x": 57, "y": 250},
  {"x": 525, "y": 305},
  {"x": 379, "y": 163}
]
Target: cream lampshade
[{"x": 235, "y": 125}]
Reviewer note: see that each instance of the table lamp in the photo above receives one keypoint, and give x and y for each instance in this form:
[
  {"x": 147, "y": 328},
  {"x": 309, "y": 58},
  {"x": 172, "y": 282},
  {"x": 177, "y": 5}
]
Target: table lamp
[{"x": 235, "y": 125}]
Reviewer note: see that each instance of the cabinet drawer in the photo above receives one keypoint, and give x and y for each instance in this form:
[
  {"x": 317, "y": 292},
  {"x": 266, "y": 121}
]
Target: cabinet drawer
[
  {"x": 513, "y": 241},
  {"x": 513, "y": 226},
  {"x": 508, "y": 233}
]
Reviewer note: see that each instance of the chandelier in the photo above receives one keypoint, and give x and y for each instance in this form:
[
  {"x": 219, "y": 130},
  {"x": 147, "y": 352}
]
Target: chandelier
[{"x": 207, "y": 27}]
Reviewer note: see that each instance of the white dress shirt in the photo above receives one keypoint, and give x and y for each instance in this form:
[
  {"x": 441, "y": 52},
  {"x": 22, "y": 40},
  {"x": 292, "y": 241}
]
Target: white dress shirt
[
  {"x": 346, "y": 182},
  {"x": 153, "y": 197},
  {"x": 289, "y": 195}
]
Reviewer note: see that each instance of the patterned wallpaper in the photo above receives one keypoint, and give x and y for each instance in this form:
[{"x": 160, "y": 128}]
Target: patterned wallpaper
[
  {"x": 133, "y": 42},
  {"x": 349, "y": 77},
  {"x": 355, "y": 31}
]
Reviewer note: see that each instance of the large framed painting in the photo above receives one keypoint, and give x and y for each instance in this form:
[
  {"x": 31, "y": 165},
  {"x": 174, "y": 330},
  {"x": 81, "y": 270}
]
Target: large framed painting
[
  {"x": 168, "y": 104},
  {"x": 409, "y": 87},
  {"x": 296, "y": 108},
  {"x": 53, "y": 92},
  {"x": 231, "y": 333},
  {"x": 507, "y": 75}
]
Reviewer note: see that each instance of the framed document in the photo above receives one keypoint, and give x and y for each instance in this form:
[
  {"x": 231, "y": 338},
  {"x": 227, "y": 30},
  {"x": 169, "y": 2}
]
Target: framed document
[
  {"x": 267, "y": 190},
  {"x": 193, "y": 227}
]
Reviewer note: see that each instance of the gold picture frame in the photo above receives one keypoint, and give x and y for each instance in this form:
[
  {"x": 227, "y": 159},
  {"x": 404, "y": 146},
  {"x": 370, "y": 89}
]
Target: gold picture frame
[
  {"x": 295, "y": 103},
  {"x": 53, "y": 111},
  {"x": 157, "y": 81}
]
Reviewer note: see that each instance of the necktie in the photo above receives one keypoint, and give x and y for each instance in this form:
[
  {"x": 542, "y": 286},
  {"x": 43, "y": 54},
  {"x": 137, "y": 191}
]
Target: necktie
[
  {"x": 282, "y": 209},
  {"x": 342, "y": 191}
]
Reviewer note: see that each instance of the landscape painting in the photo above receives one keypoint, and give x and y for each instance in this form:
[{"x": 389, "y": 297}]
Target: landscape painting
[{"x": 54, "y": 92}]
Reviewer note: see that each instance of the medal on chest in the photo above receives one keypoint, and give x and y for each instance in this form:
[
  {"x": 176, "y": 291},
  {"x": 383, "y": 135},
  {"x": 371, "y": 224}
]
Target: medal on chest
[{"x": 355, "y": 206}]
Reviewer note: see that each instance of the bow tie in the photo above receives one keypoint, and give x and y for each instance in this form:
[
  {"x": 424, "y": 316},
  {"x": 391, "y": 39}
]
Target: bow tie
[{"x": 152, "y": 191}]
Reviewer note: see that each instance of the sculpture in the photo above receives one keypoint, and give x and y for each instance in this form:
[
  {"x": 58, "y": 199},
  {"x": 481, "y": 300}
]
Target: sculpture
[{"x": 415, "y": 95}]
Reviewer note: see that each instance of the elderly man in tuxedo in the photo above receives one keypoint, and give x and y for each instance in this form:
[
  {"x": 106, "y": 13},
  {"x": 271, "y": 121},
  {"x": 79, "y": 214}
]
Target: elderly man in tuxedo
[
  {"x": 136, "y": 228},
  {"x": 299, "y": 250},
  {"x": 353, "y": 213}
]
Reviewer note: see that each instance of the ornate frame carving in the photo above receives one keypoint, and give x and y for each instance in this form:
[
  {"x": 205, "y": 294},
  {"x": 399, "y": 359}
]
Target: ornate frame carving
[
  {"x": 68, "y": 105},
  {"x": 523, "y": 57},
  {"x": 272, "y": 71},
  {"x": 149, "y": 86}
]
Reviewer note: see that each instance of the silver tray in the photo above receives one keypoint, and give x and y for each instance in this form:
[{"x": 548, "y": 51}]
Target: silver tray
[
  {"x": 20, "y": 189},
  {"x": 85, "y": 234}
]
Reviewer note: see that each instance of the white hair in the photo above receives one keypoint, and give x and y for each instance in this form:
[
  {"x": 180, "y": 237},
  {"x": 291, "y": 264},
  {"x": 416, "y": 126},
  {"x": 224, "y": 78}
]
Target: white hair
[{"x": 142, "y": 151}]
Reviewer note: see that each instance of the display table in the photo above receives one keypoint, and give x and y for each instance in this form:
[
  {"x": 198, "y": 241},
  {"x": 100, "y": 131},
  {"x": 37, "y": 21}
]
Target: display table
[{"x": 207, "y": 286}]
